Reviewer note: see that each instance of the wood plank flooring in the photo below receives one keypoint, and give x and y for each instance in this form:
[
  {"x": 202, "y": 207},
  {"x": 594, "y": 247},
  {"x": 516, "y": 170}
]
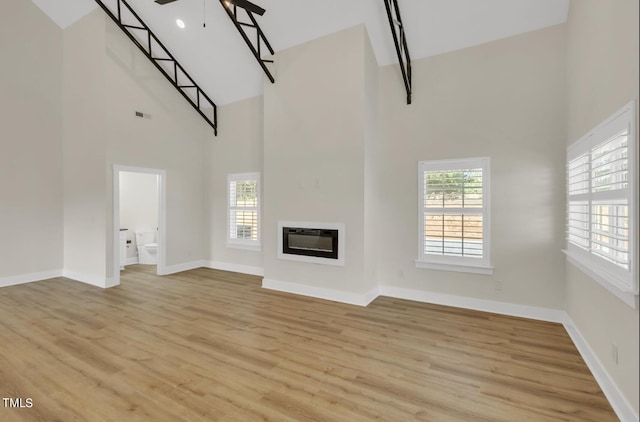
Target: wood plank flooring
[{"x": 208, "y": 345}]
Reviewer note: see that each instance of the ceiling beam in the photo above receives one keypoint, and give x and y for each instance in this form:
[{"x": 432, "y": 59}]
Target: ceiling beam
[
  {"x": 231, "y": 7},
  {"x": 149, "y": 44},
  {"x": 400, "y": 41},
  {"x": 247, "y": 5}
]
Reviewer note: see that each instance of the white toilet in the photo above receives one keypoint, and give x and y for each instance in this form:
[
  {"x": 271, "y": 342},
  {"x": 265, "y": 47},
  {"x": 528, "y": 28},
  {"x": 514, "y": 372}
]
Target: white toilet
[{"x": 147, "y": 248}]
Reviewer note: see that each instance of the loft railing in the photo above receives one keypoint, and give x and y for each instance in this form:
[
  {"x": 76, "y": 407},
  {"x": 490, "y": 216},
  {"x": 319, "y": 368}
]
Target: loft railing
[{"x": 138, "y": 32}]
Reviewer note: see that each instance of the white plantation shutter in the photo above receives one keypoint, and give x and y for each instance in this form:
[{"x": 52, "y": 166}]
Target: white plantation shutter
[
  {"x": 244, "y": 209},
  {"x": 453, "y": 212},
  {"x": 601, "y": 174},
  {"x": 578, "y": 209},
  {"x": 454, "y": 219}
]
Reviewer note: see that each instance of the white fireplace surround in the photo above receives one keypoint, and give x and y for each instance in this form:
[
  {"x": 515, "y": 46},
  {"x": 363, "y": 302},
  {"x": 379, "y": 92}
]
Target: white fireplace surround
[{"x": 313, "y": 225}]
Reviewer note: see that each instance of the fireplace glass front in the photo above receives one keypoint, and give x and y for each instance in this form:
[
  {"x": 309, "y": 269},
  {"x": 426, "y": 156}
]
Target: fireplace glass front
[{"x": 322, "y": 243}]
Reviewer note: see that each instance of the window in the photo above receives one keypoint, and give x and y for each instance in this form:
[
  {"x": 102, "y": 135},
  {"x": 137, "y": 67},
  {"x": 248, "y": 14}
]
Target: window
[
  {"x": 453, "y": 208},
  {"x": 244, "y": 210},
  {"x": 601, "y": 228}
]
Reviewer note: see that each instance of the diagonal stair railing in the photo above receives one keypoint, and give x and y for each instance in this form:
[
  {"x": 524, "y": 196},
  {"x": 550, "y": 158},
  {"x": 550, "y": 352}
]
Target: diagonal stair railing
[{"x": 138, "y": 31}]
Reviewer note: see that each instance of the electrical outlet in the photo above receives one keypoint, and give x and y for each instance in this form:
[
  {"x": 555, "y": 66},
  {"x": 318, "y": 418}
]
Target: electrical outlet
[
  {"x": 614, "y": 353},
  {"x": 498, "y": 285}
]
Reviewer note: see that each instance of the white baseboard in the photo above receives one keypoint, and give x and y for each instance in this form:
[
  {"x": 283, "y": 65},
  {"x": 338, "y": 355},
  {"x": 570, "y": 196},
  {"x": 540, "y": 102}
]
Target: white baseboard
[
  {"x": 362, "y": 299},
  {"x": 236, "y": 268},
  {"x": 29, "y": 278},
  {"x": 216, "y": 265},
  {"x": 371, "y": 295},
  {"x": 178, "y": 268},
  {"x": 132, "y": 260},
  {"x": 85, "y": 278},
  {"x": 620, "y": 405},
  {"x": 503, "y": 308},
  {"x": 111, "y": 282}
]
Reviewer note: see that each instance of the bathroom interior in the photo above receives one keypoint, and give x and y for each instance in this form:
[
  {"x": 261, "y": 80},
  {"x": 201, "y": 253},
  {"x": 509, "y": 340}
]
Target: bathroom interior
[{"x": 138, "y": 219}]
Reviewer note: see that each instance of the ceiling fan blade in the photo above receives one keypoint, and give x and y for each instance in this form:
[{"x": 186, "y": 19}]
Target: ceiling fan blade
[
  {"x": 247, "y": 5},
  {"x": 164, "y": 1}
]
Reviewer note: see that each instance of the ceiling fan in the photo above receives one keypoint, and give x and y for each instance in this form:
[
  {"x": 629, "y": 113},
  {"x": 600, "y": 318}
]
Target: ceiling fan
[{"x": 245, "y": 4}]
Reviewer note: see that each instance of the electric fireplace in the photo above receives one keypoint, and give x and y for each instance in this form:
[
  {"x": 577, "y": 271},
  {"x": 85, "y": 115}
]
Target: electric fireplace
[{"x": 321, "y": 243}]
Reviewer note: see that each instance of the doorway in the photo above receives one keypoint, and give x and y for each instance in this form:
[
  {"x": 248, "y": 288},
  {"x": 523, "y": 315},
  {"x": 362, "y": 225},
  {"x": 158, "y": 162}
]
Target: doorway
[{"x": 139, "y": 201}]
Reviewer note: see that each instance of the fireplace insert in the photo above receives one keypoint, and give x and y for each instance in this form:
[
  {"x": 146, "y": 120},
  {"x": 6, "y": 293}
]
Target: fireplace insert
[{"x": 321, "y": 243}]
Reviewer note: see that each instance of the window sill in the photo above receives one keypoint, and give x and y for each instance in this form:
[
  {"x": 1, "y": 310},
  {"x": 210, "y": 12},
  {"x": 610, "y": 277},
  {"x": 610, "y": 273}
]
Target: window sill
[
  {"x": 244, "y": 246},
  {"x": 601, "y": 278},
  {"x": 474, "y": 269}
]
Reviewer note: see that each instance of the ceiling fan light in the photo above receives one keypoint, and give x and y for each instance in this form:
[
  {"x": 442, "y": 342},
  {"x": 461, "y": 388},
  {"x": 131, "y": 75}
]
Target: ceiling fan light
[{"x": 180, "y": 23}]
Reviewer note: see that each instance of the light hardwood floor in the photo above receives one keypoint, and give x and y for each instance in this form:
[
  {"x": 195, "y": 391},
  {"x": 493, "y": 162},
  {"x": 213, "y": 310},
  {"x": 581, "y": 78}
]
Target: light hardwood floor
[{"x": 209, "y": 345}]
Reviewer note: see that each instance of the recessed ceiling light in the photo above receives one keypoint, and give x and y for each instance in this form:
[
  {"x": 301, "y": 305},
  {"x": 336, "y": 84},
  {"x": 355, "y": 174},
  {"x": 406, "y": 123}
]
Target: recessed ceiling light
[{"x": 180, "y": 23}]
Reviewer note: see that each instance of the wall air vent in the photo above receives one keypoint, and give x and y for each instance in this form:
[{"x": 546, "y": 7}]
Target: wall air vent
[{"x": 141, "y": 114}]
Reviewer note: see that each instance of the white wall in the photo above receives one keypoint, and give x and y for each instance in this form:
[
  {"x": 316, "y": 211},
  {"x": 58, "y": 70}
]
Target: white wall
[
  {"x": 373, "y": 166},
  {"x": 174, "y": 139},
  {"x": 603, "y": 77},
  {"x": 85, "y": 172},
  {"x": 314, "y": 149},
  {"x": 106, "y": 81},
  {"x": 504, "y": 100},
  {"x": 237, "y": 149},
  {"x": 138, "y": 206},
  {"x": 31, "y": 209}
]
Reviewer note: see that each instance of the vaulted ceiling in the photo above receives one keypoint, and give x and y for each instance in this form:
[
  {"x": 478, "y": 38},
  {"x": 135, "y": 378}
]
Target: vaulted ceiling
[{"x": 218, "y": 59}]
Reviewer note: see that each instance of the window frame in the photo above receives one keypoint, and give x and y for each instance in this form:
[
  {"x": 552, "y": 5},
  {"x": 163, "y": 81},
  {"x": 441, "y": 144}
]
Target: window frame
[
  {"x": 622, "y": 283},
  {"x": 454, "y": 263},
  {"x": 247, "y": 244}
]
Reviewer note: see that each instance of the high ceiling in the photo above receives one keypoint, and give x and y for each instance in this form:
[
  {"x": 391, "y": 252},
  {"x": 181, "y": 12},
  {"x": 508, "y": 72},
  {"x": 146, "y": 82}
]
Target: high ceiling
[{"x": 218, "y": 59}]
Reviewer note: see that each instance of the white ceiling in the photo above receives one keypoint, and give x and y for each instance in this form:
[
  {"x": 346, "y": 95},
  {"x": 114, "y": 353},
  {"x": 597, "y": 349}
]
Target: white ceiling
[{"x": 218, "y": 59}]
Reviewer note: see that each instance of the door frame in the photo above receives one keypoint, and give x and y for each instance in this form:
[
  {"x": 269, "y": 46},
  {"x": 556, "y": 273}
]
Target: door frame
[{"x": 162, "y": 217}]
